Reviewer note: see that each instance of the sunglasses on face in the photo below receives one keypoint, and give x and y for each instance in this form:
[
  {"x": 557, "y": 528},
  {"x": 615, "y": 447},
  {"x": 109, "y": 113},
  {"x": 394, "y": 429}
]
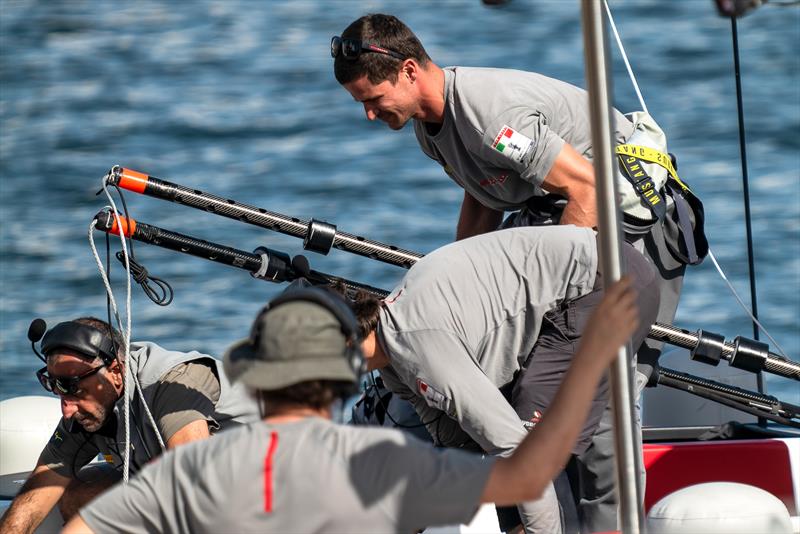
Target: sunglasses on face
[
  {"x": 352, "y": 48},
  {"x": 63, "y": 385}
]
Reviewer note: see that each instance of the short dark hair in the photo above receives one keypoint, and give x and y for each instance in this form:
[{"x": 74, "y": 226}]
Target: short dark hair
[
  {"x": 317, "y": 394},
  {"x": 386, "y": 31},
  {"x": 365, "y": 307}
]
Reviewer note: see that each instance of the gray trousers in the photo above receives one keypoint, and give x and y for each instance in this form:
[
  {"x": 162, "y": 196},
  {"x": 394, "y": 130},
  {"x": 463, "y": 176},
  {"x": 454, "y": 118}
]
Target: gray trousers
[
  {"x": 541, "y": 375},
  {"x": 591, "y": 472}
]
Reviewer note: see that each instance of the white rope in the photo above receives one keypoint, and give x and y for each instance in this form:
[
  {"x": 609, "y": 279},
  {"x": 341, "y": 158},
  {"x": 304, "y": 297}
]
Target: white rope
[
  {"x": 711, "y": 255},
  {"x": 126, "y": 352},
  {"x": 625, "y": 57},
  {"x": 742, "y": 304},
  {"x": 147, "y": 411},
  {"x": 126, "y": 334}
]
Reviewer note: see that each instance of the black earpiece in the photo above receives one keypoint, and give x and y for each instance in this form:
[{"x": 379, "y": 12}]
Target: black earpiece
[{"x": 82, "y": 338}]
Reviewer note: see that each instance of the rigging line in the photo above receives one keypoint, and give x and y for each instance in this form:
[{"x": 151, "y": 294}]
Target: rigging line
[
  {"x": 128, "y": 377},
  {"x": 745, "y": 178},
  {"x": 754, "y": 314},
  {"x": 129, "y": 266},
  {"x": 625, "y": 57},
  {"x": 125, "y": 340},
  {"x": 126, "y": 335},
  {"x": 742, "y": 304}
]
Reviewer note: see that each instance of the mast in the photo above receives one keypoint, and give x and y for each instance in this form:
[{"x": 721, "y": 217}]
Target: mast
[{"x": 628, "y": 462}]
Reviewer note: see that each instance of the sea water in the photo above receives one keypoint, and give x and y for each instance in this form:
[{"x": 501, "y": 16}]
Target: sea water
[{"x": 238, "y": 98}]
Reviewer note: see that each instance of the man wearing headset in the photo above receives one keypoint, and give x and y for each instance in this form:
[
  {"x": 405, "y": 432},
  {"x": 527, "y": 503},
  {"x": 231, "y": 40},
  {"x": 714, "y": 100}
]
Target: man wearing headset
[
  {"x": 297, "y": 471},
  {"x": 186, "y": 394}
]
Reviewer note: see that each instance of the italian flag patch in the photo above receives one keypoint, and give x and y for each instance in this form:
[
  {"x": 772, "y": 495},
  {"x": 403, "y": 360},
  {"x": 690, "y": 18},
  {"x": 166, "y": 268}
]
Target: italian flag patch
[
  {"x": 511, "y": 143},
  {"x": 433, "y": 397}
]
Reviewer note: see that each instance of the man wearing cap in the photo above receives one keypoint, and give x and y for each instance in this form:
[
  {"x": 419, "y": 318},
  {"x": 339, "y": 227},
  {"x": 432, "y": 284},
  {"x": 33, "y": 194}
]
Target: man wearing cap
[
  {"x": 186, "y": 395},
  {"x": 297, "y": 471}
]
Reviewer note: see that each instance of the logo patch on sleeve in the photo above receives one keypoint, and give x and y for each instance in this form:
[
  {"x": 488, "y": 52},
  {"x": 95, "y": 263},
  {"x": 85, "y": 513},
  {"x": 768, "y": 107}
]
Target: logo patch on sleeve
[
  {"x": 433, "y": 397},
  {"x": 512, "y": 144},
  {"x": 56, "y": 439}
]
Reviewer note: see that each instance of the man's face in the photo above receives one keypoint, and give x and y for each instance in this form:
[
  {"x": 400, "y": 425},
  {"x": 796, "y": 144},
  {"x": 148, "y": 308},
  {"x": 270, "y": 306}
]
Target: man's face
[
  {"x": 96, "y": 394},
  {"x": 395, "y": 104}
]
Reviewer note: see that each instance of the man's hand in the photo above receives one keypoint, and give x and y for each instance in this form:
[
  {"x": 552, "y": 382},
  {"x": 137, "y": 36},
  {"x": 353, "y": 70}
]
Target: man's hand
[
  {"x": 572, "y": 176},
  {"x": 581, "y": 211}
]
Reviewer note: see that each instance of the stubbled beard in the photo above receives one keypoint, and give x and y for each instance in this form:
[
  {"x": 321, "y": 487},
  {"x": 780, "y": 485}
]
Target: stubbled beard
[{"x": 92, "y": 422}]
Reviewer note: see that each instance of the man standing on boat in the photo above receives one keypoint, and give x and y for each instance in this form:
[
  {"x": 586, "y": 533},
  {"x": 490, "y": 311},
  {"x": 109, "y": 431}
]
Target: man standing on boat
[
  {"x": 297, "y": 471},
  {"x": 479, "y": 334},
  {"x": 186, "y": 394},
  {"x": 522, "y": 141}
]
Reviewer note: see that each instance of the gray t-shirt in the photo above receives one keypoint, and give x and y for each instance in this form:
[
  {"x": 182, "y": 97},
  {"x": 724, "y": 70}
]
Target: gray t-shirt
[
  {"x": 465, "y": 318},
  {"x": 187, "y": 393},
  {"x": 503, "y": 129},
  {"x": 306, "y": 476}
]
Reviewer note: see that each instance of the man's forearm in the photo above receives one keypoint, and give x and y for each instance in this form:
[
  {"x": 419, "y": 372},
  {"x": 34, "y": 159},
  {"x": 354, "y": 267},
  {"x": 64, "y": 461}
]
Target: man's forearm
[
  {"x": 572, "y": 176},
  {"x": 38, "y": 496},
  {"x": 23, "y": 516},
  {"x": 476, "y": 218}
]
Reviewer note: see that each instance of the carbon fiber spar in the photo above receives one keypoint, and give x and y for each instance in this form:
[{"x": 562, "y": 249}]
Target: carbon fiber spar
[{"x": 318, "y": 236}]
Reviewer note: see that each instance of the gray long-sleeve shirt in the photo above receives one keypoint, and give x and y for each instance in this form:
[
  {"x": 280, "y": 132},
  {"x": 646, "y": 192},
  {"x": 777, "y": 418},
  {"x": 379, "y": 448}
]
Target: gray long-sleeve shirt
[{"x": 465, "y": 318}]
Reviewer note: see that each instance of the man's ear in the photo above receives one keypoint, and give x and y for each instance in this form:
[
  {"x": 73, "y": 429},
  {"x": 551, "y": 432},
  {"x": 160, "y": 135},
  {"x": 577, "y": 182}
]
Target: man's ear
[
  {"x": 410, "y": 70},
  {"x": 116, "y": 372}
]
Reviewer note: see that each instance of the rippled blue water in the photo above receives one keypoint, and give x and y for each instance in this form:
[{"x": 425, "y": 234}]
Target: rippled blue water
[{"x": 238, "y": 98}]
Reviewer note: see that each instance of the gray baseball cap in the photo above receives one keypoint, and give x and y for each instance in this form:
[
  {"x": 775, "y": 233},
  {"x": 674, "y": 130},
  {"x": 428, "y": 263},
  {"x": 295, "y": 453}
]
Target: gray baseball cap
[{"x": 294, "y": 342}]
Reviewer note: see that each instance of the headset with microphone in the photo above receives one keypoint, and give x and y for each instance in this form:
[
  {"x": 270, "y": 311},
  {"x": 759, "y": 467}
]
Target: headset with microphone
[{"x": 83, "y": 339}]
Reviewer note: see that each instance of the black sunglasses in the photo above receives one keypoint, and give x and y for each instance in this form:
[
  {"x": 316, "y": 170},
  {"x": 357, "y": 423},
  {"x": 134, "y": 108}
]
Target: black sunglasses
[
  {"x": 352, "y": 48},
  {"x": 63, "y": 385}
]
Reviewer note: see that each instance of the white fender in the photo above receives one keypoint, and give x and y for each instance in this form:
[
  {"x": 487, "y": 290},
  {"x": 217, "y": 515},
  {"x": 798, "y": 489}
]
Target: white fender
[
  {"x": 719, "y": 507},
  {"x": 26, "y": 424}
]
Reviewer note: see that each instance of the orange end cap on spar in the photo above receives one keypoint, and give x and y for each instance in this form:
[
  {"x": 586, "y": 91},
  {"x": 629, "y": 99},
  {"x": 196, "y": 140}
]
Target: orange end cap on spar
[
  {"x": 128, "y": 226},
  {"x": 133, "y": 180}
]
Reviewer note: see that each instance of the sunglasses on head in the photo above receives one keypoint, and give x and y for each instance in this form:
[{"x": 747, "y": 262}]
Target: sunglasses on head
[
  {"x": 352, "y": 48},
  {"x": 63, "y": 385}
]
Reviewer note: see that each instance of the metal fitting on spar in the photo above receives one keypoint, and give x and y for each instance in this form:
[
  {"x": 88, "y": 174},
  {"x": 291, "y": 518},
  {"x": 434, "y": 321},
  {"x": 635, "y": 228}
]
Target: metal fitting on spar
[
  {"x": 107, "y": 222},
  {"x": 127, "y": 179}
]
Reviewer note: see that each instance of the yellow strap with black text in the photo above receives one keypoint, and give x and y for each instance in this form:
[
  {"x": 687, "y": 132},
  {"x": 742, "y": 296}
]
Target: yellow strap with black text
[
  {"x": 643, "y": 184},
  {"x": 653, "y": 156}
]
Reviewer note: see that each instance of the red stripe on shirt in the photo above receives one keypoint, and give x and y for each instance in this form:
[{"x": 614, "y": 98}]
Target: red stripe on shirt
[{"x": 273, "y": 444}]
